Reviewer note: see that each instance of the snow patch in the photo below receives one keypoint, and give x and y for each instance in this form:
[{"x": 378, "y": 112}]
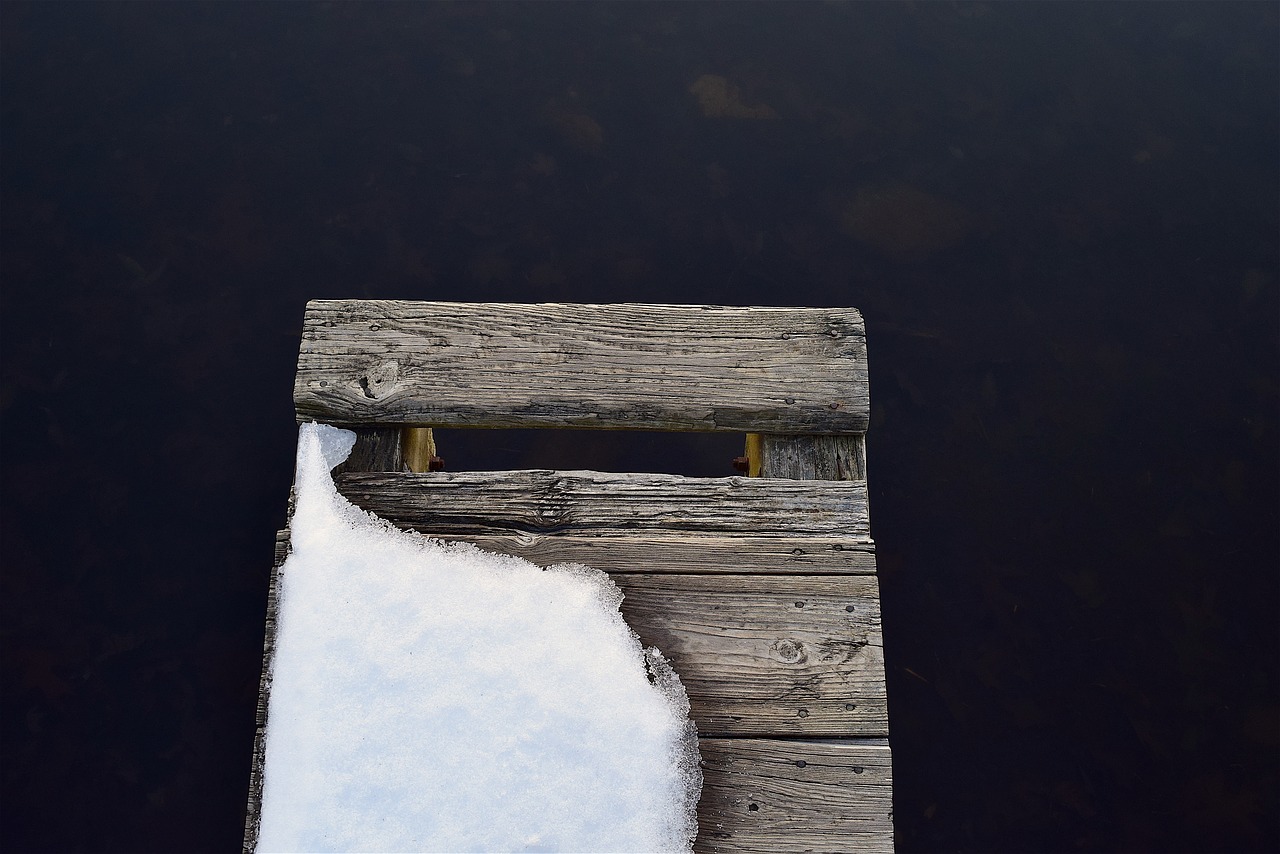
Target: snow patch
[{"x": 436, "y": 697}]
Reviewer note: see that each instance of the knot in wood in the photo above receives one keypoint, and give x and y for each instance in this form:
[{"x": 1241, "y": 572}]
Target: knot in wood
[
  {"x": 790, "y": 651},
  {"x": 379, "y": 379},
  {"x": 551, "y": 515}
]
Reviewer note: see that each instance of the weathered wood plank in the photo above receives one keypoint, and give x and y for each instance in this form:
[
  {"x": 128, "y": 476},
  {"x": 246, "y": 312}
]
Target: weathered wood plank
[
  {"x": 253, "y": 815},
  {"x": 769, "y": 796},
  {"x": 761, "y": 655},
  {"x": 654, "y": 367},
  {"x": 768, "y": 655},
  {"x": 659, "y": 552},
  {"x": 602, "y": 504},
  {"x": 760, "y": 592},
  {"x": 377, "y": 448},
  {"x": 814, "y": 457},
  {"x": 758, "y": 656}
]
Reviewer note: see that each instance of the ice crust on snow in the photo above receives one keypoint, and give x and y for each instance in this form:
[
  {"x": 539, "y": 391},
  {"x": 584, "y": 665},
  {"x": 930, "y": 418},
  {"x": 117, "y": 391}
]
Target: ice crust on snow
[{"x": 436, "y": 697}]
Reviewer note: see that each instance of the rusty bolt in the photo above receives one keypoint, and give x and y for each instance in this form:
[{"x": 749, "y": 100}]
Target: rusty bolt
[
  {"x": 742, "y": 464},
  {"x": 435, "y": 464}
]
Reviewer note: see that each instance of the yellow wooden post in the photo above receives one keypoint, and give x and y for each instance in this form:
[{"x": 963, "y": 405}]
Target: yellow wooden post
[
  {"x": 754, "y": 454},
  {"x": 418, "y": 445}
]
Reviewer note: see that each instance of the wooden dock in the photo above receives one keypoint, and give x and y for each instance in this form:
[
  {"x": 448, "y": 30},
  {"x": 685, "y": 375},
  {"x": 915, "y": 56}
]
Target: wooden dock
[{"x": 761, "y": 590}]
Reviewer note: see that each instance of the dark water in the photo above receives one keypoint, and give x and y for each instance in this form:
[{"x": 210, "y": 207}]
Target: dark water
[{"x": 1060, "y": 222}]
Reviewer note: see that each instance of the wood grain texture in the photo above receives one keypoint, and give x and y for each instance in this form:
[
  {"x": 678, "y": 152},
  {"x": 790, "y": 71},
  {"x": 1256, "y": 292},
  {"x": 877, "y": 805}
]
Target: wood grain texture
[
  {"x": 761, "y": 592},
  {"x": 648, "y": 367},
  {"x": 253, "y": 814},
  {"x": 658, "y": 552},
  {"x": 768, "y": 655},
  {"x": 777, "y": 796},
  {"x": 600, "y": 504},
  {"x": 814, "y": 457},
  {"x": 758, "y": 656},
  {"x": 377, "y": 448}
]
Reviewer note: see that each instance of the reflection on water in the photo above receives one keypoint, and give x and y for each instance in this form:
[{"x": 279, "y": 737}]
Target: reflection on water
[{"x": 1059, "y": 222}]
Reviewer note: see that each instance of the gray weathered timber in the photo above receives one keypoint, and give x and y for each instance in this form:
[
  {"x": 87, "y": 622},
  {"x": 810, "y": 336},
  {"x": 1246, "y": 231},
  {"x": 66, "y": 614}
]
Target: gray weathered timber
[
  {"x": 809, "y": 795},
  {"x": 768, "y": 655},
  {"x": 814, "y": 457},
  {"x": 815, "y": 806},
  {"x": 761, "y": 591},
  {"x": 377, "y": 448},
  {"x": 771, "y": 796},
  {"x": 600, "y": 504},
  {"x": 758, "y": 655},
  {"x": 647, "y": 367},
  {"x": 660, "y": 552},
  {"x": 253, "y": 816}
]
